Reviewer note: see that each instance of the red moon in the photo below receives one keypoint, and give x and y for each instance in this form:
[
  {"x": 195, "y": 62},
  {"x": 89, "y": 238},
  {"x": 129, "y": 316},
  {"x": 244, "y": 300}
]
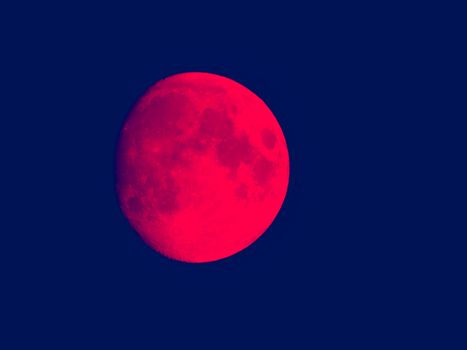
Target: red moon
[{"x": 202, "y": 167}]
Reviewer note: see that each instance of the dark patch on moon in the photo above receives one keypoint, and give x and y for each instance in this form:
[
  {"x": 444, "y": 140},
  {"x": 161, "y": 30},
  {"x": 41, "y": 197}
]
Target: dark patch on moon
[
  {"x": 134, "y": 205},
  {"x": 263, "y": 170},
  {"x": 165, "y": 192},
  {"x": 160, "y": 118},
  {"x": 234, "y": 150},
  {"x": 242, "y": 191},
  {"x": 216, "y": 124},
  {"x": 197, "y": 144},
  {"x": 269, "y": 139},
  {"x": 218, "y": 129}
]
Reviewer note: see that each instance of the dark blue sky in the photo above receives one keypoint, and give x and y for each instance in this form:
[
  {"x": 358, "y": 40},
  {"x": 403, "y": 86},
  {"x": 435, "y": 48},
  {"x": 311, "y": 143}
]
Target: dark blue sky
[{"x": 367, "y": 245}]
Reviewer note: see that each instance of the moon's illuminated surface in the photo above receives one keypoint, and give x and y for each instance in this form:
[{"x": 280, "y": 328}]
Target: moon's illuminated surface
[{"x": 202, "y": 167}]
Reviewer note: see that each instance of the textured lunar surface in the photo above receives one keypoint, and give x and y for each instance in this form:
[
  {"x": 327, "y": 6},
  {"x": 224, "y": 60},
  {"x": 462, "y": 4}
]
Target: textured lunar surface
[{"x": 202, "y": 167}]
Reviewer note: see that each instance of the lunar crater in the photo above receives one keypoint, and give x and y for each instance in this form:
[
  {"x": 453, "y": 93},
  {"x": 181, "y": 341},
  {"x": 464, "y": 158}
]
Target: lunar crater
[{"x": 215, "y": 124}]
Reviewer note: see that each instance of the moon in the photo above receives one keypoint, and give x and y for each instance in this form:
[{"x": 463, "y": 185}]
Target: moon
[{"x": 202, "y": 167}]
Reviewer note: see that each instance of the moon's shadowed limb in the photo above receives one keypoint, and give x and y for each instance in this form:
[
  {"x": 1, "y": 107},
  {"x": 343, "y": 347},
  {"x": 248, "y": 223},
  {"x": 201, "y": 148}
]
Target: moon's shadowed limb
[{"x": 202, "y": 167}]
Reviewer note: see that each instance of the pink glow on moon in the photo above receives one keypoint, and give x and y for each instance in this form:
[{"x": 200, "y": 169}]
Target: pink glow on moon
[{"x": 202, "y": 167}]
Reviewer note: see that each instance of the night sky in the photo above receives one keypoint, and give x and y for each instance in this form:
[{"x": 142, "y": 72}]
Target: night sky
[{"x": 367, "y": 249}]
